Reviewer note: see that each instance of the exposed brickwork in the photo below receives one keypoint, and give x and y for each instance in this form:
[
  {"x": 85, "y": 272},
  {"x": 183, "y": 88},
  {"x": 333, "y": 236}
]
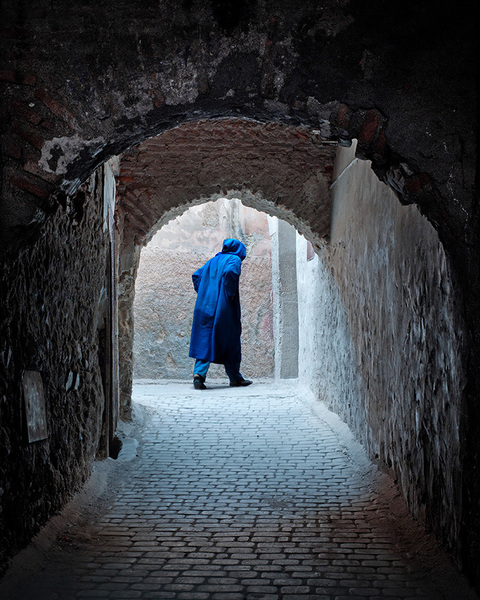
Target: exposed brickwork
[
  {"x": 284, "y": 62},
  {"x": 395, "y": 79},
  {"x": 417, "y": 183},
  {"x": 367, "y": 126},
  {"x": 30, "y": 186},
  {"x": 29, "y": 135},
  {"x": 286, "y": 169},
  {"x": 55, "y": 107},
  {"x": 282, "y": 170}
]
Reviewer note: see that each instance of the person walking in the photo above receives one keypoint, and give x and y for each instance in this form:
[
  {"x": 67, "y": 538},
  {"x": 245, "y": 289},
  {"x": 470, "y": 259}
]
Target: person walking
[{"x": 217, "y": 326}]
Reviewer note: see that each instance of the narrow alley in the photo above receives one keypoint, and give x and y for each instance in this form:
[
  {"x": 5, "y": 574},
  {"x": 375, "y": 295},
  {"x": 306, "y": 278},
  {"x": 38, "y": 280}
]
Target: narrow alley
[
  {"x": 351, "y": 127},
  {"x": 246, "y": 493}
]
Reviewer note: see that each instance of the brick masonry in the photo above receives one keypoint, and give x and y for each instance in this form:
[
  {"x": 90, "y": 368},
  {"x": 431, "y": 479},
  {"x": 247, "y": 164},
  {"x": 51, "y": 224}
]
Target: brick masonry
[{"x": 284, "y": 171}]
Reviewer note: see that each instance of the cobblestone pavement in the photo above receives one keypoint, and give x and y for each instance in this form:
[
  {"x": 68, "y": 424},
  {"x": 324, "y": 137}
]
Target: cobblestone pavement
[{"x": 254, "y": 493}]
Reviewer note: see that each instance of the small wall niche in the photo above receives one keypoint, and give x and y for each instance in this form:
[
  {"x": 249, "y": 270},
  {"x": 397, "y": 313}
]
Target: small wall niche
[{"x": 35, "y": 409}]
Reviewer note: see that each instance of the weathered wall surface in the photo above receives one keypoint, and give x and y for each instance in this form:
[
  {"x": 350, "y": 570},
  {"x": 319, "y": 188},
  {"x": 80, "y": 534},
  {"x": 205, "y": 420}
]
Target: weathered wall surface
[
  {"x": 164, "y": 295},
  {"x": 281, "y": 170},
  {"x": 400, "y": 80},
  {"x": 78, "y": 92},
  {"x": 387, "y": 343},
  {"x": 51, "y": 321},
  {"x": 326, "y": 356}
]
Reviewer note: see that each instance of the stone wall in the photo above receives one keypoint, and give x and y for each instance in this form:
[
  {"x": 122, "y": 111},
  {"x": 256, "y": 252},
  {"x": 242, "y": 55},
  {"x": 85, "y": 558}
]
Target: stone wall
[
  {"x": 281, "y": 170},
  {"x": 52, "y": 306},
  {"x": 382, "y": 341},
  {"x": 401, "y": 80},
  {"x": 164, "y": 295},
  {"x": 77, "y": 92}
]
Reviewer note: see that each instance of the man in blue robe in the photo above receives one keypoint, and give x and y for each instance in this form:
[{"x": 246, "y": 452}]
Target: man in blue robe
[{"x": 217, "y": 323}]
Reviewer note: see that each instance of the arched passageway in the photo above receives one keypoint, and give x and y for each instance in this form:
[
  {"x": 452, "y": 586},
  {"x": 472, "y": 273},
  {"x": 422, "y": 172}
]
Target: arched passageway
[
  {"x": 393, "y": 332},
  {"x": 284, "y": 171},
  {"x": 165, "y": 297},
  {"x": 76, "y": 93}
]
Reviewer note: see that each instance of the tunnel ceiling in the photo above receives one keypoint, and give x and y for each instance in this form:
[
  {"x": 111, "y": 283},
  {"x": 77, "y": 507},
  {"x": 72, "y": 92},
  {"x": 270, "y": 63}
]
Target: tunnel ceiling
[
  {"x": 285, "y": 171},
  {"x": 84, "y": 84}
]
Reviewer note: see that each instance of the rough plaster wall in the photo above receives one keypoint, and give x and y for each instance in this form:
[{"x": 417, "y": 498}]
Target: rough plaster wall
[
  {"x": 325, "y": 358},
  {"x": 390, "y": 341},
  {"x": 164, "y": 296},
  {"x": 78, "y": 92},
  {"x": 50, "y": 316},
  {"x": 128, "y": 259}
]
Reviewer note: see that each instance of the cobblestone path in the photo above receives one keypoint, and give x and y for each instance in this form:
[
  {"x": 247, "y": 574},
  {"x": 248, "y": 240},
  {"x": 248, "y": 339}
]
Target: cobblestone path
[{"x": 237, "y": 494}]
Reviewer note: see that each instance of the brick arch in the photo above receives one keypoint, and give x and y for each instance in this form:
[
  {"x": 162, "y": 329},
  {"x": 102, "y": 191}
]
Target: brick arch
[
  {"x": 84, "y": 84},
  {"x": 88, "y": 83},
  {"x": 283, "y": 170},
  {"x": 50, "y": 153}
]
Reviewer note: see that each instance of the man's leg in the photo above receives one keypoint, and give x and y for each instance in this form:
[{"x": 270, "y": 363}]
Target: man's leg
[
  {"x": 233, "y": 372},
  {"x": 200, "y": 373}
]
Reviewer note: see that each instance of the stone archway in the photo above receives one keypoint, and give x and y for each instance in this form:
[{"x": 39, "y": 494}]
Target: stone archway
[
  {"x": 82, "y": 85},
  {"x": 164, "y": 296},
  {"x": 75, "y": 98},
  {"x": 248, "y": 159},
  {"x": 282, "y": 170}
]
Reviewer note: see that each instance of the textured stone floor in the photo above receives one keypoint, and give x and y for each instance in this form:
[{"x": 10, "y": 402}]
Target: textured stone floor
[{"x": 254, "y": 493}]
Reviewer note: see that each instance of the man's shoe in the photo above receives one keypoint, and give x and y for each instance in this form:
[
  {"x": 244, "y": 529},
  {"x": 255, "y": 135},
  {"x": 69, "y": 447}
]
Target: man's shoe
[
  {"x": 198, "y": 384},
  {"x": 240, "y": 383}
]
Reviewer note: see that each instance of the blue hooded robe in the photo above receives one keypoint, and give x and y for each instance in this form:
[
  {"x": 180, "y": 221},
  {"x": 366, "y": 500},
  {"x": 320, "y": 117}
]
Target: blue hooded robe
[{"x": 216, "y": 326}]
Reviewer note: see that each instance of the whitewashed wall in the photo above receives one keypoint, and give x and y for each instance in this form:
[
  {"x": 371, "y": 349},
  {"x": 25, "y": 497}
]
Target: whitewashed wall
[{"x": 380, "y": 342}]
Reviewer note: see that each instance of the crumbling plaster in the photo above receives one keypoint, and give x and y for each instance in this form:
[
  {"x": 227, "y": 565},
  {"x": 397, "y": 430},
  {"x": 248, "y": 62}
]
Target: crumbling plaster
[{"x": 78, "y": 91}]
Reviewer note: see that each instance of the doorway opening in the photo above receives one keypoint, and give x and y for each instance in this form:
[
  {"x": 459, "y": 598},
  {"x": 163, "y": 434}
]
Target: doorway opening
[{"x": 165, "y": 298}]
